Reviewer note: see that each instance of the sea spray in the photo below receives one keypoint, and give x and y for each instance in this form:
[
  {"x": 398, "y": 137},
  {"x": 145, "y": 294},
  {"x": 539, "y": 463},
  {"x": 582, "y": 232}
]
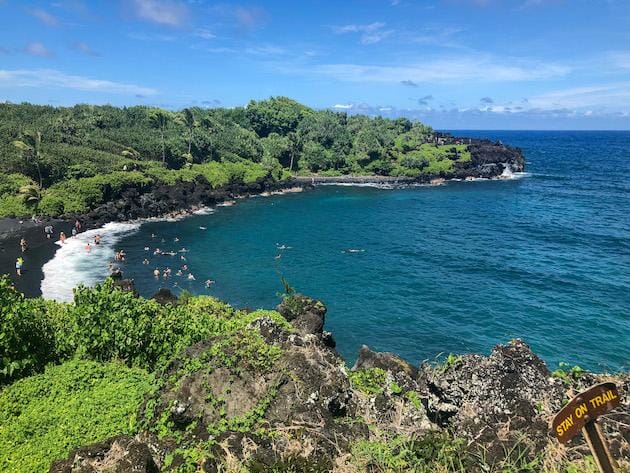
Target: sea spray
[{"x": 74, "y": 265}]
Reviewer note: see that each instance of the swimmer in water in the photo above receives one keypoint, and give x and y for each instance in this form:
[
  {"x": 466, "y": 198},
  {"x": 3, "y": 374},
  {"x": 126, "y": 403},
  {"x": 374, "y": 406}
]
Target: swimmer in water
[
  {"x": 146, "y": 261},
  {"x": 191, "y": 277},
  {"x": 175, "y": 239},
  {"x": 146, "y": 248},
  {"x": 97, "y": 239},
  {"x": 88, "y": 247},
  {"x": 152, "y": 235},
  {"x": 209, "y": 282},
  {"x": 156, "y": 273}
]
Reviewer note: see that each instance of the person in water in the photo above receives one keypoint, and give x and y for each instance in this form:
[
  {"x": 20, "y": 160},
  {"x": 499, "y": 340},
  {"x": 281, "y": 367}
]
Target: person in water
[
  {"x": 74, "y": 231},
  {"x": 88, "y": 247},
  {"x": 18, "y": 265},
  {"x": 77, "y": 225},
  {"x": 97, "y": 239},
  {"x": 23, "y": 244},
  {"x": 48, "y": 230},
  {"x": 62, "y": 238}
]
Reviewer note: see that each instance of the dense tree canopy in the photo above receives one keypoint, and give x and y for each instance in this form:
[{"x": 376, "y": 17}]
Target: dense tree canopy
[{"x": 76, "y": 149}]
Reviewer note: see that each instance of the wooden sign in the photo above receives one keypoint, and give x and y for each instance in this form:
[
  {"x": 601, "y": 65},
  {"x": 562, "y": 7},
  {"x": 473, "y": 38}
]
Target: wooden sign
[
  {"x": 587, "y": 406},
  {"x": 581, "y": 413}
]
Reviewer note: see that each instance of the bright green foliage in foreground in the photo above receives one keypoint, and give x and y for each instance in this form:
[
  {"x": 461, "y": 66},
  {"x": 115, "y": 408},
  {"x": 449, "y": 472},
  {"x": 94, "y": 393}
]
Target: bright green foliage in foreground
[
  {"x": 86, "y": 155},
  {"x": 104, "y": 324},
  {"x": 44, "y": 417}
]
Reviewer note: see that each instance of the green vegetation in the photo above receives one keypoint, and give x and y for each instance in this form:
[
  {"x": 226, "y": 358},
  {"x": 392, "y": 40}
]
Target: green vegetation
[
  {"x": 567, "y": 373},
  {"x": 73, "y": 159},
  {"x": 44, "y": 417},
  {"x": 369, "y": 381}
]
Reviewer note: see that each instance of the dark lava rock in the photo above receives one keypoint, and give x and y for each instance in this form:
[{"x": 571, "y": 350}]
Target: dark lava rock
[
  {"x": 127, "y": 285},
  {"x": 497, "y": 401},
  {"x": 383, "y": 360},
  {"x": 164, "y": 296},
  {"x": 117, "y": 455},
  {"x": 296, "y": 305}
]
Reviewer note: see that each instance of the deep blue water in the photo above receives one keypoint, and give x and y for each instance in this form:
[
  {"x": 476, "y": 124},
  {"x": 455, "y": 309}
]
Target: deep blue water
[{"x": 457, "y": 268}]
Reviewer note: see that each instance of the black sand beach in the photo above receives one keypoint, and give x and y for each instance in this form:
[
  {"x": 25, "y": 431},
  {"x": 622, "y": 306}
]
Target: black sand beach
[{"x": 40, "y": 250}]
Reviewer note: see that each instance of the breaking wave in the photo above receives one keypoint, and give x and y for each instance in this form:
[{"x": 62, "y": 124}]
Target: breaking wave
[{"x": 73, "y": 265}]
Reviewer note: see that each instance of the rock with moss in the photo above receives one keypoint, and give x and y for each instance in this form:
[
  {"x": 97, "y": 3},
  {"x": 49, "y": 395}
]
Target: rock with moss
[{"x": 266, "y": 392}]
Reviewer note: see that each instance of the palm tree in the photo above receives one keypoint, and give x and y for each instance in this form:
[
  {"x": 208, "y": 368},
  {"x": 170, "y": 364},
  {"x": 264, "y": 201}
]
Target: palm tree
[
  {"x": 31, "y": 195},
  {"x": 30, "y": 145},
  {"x": 160, "y": 119},
  {"x": 187, "y": 118}
]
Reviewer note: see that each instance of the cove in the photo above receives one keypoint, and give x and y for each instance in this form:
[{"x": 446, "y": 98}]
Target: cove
[{"x": 456, "y": 268}]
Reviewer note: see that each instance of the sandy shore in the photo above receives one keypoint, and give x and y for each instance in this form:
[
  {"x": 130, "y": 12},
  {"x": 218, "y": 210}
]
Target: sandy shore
[{"x": 40, "y": 250}]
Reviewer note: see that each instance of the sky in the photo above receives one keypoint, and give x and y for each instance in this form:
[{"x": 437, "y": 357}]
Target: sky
[{"x": 453, "y": 64}]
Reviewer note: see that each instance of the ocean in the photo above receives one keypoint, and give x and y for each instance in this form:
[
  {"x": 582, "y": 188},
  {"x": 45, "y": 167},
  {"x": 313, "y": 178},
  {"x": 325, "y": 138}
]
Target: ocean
[{"x": 420, "y": 271}]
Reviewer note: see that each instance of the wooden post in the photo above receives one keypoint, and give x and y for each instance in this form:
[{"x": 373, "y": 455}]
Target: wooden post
[{"x": 598, "y": 445}]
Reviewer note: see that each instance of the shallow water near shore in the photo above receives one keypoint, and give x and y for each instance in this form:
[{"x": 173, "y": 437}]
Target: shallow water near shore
[{"x": 455, "y": 268}]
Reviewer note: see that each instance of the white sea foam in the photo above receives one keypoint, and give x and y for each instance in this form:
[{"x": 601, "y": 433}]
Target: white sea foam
[
  {"x": 362, "y": 184},
  {"x": 204, "y": 211},
  {"x": 73, "y": 265}
]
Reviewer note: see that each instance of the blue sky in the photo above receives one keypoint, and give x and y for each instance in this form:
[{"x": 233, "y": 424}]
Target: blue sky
[{"x": 498, "y": 64}]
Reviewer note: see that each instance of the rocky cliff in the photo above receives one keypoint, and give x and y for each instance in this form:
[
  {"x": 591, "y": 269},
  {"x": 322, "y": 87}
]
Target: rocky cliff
[{"x": 291, "y": 404}]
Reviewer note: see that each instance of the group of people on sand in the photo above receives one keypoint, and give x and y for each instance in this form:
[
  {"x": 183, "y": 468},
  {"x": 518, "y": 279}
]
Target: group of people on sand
[{"x": 49, "y": 231}]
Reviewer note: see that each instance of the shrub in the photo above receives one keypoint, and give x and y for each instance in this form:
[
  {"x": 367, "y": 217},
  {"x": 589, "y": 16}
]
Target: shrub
[
  {"x": 44, "y": 417},
  {"x": 26, "y": 340}
]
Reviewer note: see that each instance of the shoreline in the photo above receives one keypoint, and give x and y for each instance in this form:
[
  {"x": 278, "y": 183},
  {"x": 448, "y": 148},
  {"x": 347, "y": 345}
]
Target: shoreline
[{"x": 42, "y": 250}]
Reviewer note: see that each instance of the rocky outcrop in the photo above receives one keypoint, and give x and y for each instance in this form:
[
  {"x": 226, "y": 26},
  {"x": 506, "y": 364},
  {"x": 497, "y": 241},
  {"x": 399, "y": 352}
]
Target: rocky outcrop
[
  {"x": 496, "y": 401},
  {"x": 277, "y": 394},
  {"x": 117, "y": 455},
  {"x": 137, "y": 202}
]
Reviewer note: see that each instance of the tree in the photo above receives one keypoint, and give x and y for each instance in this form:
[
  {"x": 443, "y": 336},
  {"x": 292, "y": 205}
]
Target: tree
[
  {"x": 30, "y": 147},
  {"x": 187, "y": 118},
  {"x": 160, "y": 120},
  {"x": 276, "y": 115},
  {"x": 31, "y": 195}
]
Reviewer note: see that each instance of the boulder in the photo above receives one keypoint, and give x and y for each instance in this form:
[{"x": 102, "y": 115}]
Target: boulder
[
  {"x": 121, "y": 454},
  {"x": 498, "y": 401}
]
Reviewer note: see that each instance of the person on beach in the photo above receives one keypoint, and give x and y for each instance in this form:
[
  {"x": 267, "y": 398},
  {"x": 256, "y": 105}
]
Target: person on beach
[
  {"x": 48, "y": 230},
  {"x": 18, "y": 265},
  {"x": 88, "y": 247},
  {"x": 23, "y": 244},
  {"x": 62, "y": 238}
]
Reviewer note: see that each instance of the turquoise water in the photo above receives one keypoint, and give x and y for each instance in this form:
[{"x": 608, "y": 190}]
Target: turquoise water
[{"x": 457, "y": 268}]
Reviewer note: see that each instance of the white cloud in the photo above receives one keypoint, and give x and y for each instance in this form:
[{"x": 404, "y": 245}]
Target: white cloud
[
  {"x": 58, "y": 80},
  {"x": 371, "y": 33},
  {"x": 479, "y": 69},
  {"x": 342, "y": 106},
  {"x": 204, "y": 33},
  {"x": 163, "y": 12},
  {"x": 614, "y": 95},
  {"x": 37, "y": 49},
  {"x": 44, "y": 17}
]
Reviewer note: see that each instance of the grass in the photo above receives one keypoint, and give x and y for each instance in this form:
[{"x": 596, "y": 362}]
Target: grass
[{"x": 44, "y": 417}]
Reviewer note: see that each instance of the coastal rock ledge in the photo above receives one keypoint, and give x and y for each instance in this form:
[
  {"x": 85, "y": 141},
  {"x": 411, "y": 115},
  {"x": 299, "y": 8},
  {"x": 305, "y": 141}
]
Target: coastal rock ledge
[{"x": 299, "y": 408}]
